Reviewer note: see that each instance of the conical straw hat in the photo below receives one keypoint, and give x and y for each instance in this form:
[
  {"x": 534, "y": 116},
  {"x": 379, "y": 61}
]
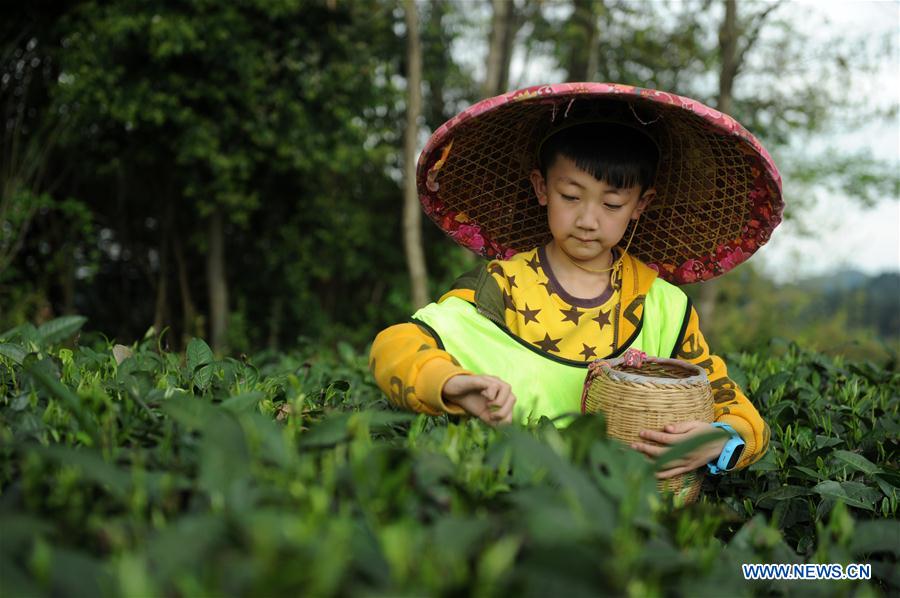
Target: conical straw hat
[{"x": 718, "y": 191}]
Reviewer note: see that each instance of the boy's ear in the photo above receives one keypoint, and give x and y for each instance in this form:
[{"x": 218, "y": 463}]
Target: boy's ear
[
  {"x": 642, "y": 203},
  {"x": 540, "y": 186}
]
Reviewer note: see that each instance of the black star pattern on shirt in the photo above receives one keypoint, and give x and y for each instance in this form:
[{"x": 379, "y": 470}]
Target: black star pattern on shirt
[
  {"x": 547, "y": 286},
  {"x": 533, "y": 263},
  {"x": 602, "y": 319},
  {"x": 571, "y": 315},
  {"x": 530, "y": 314},
  {"x": 507, "y": 301},
  {"x": 588, "y": 352},
  {"x": 549, "y": 344},
  {"x": 495, "y": 269},
  {"x": 512, "y": 281}
]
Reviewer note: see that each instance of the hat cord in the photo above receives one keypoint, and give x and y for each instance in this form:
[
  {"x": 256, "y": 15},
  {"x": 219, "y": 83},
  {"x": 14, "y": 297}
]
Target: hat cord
[{"x": 616, "y": 263}]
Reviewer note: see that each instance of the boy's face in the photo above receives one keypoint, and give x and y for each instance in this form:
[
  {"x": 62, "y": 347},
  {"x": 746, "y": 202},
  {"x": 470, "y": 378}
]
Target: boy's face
[{"x": 587, "y": 217}]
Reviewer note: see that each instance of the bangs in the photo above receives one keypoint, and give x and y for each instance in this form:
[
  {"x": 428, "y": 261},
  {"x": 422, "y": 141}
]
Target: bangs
[{"x": 615, "y": 154}]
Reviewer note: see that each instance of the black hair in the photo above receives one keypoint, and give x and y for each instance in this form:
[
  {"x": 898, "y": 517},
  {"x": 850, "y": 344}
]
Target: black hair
[{"x": 617, "y": 154}]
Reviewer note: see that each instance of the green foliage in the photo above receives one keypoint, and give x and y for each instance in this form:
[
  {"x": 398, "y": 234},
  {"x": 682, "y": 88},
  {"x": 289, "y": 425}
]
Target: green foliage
[
  {"x": 171, "y": 474},
  {"x": 846, "y": 313}
]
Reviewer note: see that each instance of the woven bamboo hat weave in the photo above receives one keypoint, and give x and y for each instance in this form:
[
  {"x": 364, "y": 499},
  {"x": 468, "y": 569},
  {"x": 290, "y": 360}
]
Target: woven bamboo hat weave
[
  {"x": 718, "y": 191},
  {"x": 648, "y": 397}
]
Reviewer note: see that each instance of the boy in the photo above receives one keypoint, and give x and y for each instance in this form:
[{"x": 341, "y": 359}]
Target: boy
[{"x": 583, "y": 162}]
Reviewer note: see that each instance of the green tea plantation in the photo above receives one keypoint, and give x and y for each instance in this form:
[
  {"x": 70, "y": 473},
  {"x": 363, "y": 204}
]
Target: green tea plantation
[{"x": 139, "y": 472}]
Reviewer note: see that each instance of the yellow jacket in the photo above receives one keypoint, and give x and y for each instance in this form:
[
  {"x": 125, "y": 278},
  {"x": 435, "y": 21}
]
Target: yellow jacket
[{"x": 524, "y": 296}]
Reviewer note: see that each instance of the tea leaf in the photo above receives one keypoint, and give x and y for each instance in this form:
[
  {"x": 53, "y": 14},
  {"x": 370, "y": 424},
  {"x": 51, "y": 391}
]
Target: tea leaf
[
  {"x": 60, "y": 329},
  {"x": 328, "y": 432},
  {"x": 767, "y": 463},
  {"x": 26, "y": 332},
  {"x": 76, "y": 570},
  {"x": 38, "y": 370},
  {"x": 885, "y": 486},
  {"x": 203, "y": 376},
  {"x": 827, "y": 441},
  {"x": 92, "y": 467},
  {"x": 15, "y": 581},
  {"x": 190, "y": 411},
  {"x": 832, "y": 489},
  {"x": 198, "y": 353},
  {"x": 15, "y": 353},
  {"x": 856, "y": 461},
  {"x": 183, "y": 542},
  {"x": 876, "y": 536},
  {"x": 243, "y": 402},
  {"x": 784, "y": 493},
  {"x": 808, "y": 471},
  {"x": 225, "y": 462},
  {"x": 772, "y": 382},
  {"x": 738, "y": 376},
  {"x": 19, "y": 529}
]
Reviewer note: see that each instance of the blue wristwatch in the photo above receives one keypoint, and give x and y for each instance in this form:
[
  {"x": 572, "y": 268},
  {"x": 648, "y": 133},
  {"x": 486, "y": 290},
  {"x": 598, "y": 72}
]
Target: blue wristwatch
[{"x": 730, "y": 454}]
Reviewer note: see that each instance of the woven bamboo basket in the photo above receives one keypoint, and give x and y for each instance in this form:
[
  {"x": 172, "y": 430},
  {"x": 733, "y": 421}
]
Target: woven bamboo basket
[{"x": 648, "y": 397}]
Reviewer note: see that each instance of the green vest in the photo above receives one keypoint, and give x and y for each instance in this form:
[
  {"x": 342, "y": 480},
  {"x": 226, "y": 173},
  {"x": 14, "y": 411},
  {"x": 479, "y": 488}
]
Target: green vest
[{"x": 544, "y": 384}]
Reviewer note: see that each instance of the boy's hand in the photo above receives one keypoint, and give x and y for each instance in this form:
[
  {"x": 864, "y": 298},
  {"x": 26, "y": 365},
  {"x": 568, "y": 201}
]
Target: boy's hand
[
  {"x": 486, "y": 397},
  {"x": 675, "y": 433}
]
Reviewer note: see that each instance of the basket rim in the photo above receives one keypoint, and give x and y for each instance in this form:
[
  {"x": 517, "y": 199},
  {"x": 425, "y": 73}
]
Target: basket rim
[{"x": 699, "y": 377}]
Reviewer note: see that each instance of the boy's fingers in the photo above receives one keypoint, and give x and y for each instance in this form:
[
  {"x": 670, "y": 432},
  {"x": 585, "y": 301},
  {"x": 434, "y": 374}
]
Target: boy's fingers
[
  {"x": 649, "y": 449},
  {"x": 503, "y": 393},
  {"x": 681, "y": 427},
  {"x": 660, "y": 437},
  {"x": 668, "y": 473},
  {"x": 498, "y": 399},
  {"x": 505, "y": 412}
]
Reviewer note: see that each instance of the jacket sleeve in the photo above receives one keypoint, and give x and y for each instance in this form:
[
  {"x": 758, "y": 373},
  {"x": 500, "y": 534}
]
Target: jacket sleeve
[
  {"x": 732, "y": 407},
  {"x": 411, "y": 370}
]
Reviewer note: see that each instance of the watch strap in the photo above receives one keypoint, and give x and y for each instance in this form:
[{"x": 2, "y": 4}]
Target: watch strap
[{"x": 731, "y": 452}]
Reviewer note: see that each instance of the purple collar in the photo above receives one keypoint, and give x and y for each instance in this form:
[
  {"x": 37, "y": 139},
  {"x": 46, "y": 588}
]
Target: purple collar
[{"x": 557, "y": 288}]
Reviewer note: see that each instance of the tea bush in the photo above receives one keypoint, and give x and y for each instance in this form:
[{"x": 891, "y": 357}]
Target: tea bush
[{"x": 136, "y": 472}]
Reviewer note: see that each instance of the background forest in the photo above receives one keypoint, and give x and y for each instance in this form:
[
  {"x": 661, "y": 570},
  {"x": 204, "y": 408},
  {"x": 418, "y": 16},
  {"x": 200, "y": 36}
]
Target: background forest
[
  {"x": 235, "y": 170},
  {"x": 179, "y": 170}
]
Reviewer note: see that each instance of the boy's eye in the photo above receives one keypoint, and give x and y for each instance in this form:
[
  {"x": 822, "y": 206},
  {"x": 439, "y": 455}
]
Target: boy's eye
[
  {"x": 569, "y": 197},
  {"x": 612, "y": 206}
]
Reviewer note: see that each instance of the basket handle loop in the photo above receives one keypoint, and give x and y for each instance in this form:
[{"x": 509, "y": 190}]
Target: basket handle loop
[{"x": 634, "y": 358}]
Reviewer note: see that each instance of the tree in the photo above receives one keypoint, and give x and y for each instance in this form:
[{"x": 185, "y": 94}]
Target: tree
[
  {"x": 267, "y": 126},
  {"x": 581, "y": 63},
  {"x": 734, "y": 43},
  {"x": 35, "y": 213},
  {"x": 412, "y": 227}
]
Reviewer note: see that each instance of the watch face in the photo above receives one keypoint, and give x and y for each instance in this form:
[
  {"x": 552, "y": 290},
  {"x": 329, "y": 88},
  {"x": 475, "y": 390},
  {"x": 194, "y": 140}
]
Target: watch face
[{"x": 735, "y": 456}]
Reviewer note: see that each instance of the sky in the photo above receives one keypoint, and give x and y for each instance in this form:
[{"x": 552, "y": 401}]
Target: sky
[
  {"x": 846, "y": 235},
  {"x": 849, "y": 236}
]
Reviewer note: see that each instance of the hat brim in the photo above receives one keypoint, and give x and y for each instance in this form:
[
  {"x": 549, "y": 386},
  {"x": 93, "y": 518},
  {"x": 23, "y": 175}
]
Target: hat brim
[{"x": 718, "y": 191}]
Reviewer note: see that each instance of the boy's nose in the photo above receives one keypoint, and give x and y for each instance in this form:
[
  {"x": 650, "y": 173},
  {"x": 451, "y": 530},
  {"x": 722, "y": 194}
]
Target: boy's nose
[{"x": 587, "y": 219}]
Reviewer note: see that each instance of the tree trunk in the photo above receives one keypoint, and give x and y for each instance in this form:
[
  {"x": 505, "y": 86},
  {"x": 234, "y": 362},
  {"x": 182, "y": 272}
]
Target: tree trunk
[
  {"x": 510, "y": 30},
  {"x": 189, "y": 312},
  {"x": 728, "y": 38},
  {"x": 500, "y": 44},
  {"x": 161, "y": 313},
  {"x": 67, "y": 280},
  {"x": 583, "y": 52},
  {"x": 437, "y": 10},
  {"x": 412, "y": 229},
  {"x": 275, "y": 318},
  {"x": 728, "y": 68},
  {"x": 216, "y": 283}
]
